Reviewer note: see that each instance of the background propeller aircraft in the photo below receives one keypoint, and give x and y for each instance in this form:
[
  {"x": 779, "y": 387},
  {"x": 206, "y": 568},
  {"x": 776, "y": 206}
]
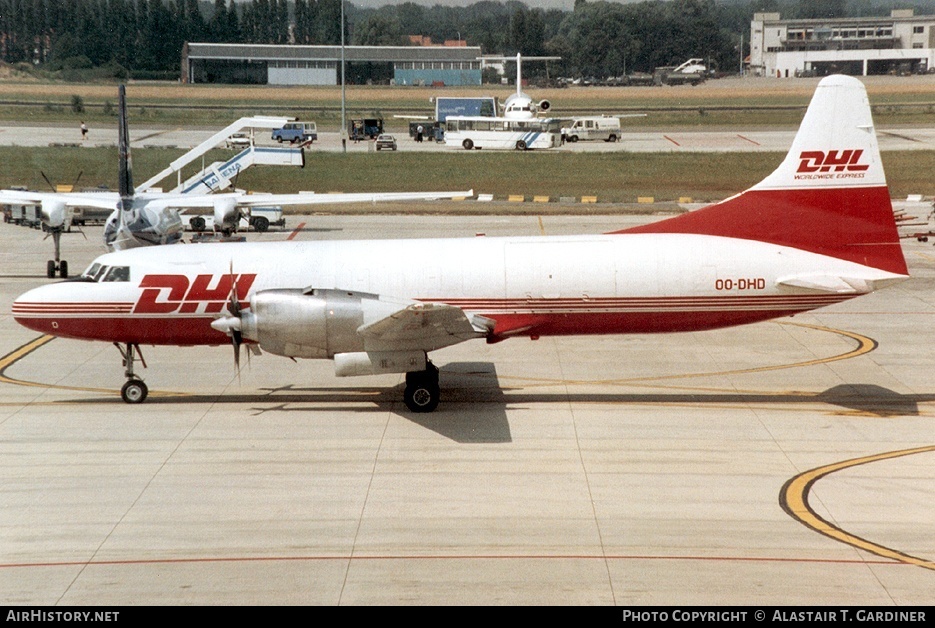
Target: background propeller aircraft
[
  {"x": 817, "y": 231},
  {"x": 151, "y": 218}
]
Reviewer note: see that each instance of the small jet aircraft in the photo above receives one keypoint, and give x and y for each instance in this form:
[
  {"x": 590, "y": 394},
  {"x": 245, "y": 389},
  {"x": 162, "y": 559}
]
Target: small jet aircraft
[
  {"x": 149, "y": 218},
  {"x": 817, "y": 231}
]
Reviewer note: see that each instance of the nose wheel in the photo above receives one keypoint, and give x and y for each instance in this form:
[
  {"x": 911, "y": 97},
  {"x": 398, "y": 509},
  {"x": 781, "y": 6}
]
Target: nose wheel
[
  {"x": 134, "y": 391},
  {"x": 422, "y": 392}
]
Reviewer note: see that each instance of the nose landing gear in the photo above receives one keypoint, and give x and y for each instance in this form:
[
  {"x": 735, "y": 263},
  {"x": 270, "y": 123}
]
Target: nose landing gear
[{"x": 134, "y": 391}]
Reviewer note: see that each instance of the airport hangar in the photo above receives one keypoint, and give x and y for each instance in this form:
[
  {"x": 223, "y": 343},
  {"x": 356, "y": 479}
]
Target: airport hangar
[
  {"x": 901, "y": 43},
  {"x": 321, "y": 65}
]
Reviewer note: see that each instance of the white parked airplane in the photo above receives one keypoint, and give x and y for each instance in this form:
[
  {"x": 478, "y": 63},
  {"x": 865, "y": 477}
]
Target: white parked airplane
[
  {"x": 148, "y": 218},
  {"x": 519, "y": 106},
  {"x": 817, "y": 231}
]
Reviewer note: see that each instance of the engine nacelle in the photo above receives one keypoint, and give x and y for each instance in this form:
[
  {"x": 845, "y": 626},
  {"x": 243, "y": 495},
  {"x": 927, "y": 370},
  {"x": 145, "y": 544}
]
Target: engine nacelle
[
  {"x": 544, "y": 105},
  {"x": 378, "y": 363},
  {"x": 53, "y": 214},
  {"x": 226, "y": 215},
  {"x": 312, "y": 324}
]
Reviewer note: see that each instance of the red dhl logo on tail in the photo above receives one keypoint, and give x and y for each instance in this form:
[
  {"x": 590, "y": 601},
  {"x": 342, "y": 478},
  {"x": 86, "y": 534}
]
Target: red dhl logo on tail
[
  {"x": 832, "y": 161},
  {"x": 167, "y": 294}
]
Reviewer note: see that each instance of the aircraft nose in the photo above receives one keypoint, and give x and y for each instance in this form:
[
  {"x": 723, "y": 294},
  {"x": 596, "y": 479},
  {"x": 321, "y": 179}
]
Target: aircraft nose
[{"x": 33, "y": 308}]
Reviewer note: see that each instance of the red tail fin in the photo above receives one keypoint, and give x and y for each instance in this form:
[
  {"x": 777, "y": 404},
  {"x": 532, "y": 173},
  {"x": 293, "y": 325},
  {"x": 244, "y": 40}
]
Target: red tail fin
[{"x": 828, "y": 196}]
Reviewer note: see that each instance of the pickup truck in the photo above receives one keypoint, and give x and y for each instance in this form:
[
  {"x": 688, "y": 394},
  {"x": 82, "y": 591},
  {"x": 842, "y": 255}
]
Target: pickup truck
[{"x": 296, "y": 132}]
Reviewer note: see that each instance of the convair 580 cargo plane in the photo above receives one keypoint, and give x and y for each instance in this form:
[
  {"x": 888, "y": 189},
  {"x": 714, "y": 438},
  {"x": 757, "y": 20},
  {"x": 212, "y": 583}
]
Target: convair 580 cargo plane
[{"x": 817, "y": 231}]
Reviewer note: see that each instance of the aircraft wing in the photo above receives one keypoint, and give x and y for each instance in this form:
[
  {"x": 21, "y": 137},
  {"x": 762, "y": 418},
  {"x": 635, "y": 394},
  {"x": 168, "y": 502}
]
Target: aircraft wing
[
  {"x": 181, "y": 201},
  {"x": 424, "y": 326},
  {"x": 100, "y": 200},
  {"x": 253, "y": 200}
]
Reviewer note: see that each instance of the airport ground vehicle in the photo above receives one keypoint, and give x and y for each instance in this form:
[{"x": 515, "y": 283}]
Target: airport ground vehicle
[
  {"x": 260, "y": 219},
  {"x": 238, "y": 141},
  {"x": 384, "y": 141},
  {"x": 28, "y": 215},
  {"x": 464, "y": 106},
  {"x": 296, "y": 132},
  {"x": 691, "y": 72},
  {"x": 431, "y": 131},
  {"x": 606, "y": 128},
  {"x": 364, "y": 128},
  {"x": 503, "y": 133}
]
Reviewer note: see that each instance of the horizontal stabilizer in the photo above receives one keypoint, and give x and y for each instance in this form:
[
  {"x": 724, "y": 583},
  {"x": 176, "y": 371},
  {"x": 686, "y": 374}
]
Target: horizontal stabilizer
[
  {"x": 835, "y": 284},
  {"x": 821, "y": 283}
]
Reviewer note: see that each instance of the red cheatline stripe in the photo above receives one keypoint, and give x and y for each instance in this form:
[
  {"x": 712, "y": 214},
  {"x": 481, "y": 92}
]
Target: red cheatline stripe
[
  {"x": 127, "y": 303},
  {"x": 70, "y": 310},
  {"x": 662, "y": 302},
  {"x": 71, "y": 306}
]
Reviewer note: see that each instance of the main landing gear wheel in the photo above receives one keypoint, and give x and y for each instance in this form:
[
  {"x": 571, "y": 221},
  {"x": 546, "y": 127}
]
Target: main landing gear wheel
[
  {"x": 52, "y": 268},
  {"x": 134, "y": 391},
  {"x": 422, "y": 393}
]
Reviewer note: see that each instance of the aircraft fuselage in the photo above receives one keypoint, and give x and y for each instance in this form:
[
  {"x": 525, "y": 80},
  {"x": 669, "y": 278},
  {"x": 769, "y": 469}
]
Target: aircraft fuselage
[{"x": 530, "y": 286}]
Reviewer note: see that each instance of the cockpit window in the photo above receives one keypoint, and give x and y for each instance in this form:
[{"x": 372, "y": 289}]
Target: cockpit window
[
  {"x": 99, "y": 272},
  {"x": 118, "y": 273},
  {"x": 91, "y": 272}
]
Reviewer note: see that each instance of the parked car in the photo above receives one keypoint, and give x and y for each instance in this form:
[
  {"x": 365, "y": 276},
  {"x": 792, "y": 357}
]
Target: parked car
[
  {"x": 239, "y": 141},
  {"x": 386, "y": 141},
  {"x": 295, "y": 132}
]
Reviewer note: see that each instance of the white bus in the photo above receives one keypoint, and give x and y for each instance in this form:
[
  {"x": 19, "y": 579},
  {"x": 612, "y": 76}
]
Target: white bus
[{"x": 482, "y": 132}]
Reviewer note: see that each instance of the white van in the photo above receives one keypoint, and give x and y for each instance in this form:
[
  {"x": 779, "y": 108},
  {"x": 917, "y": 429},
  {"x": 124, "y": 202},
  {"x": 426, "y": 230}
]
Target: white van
[{"x": 605, "y": 128}]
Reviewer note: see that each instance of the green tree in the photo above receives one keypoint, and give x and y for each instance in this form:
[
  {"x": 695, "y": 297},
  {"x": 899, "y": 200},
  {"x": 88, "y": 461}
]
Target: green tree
[
  {"x": 379, "y": 30},
  {"x": 821, "y": 8},
  {"x": 329, "y": 21},
  {"x": 306, "y": 16},
  {"x": 217, "y": 25}
]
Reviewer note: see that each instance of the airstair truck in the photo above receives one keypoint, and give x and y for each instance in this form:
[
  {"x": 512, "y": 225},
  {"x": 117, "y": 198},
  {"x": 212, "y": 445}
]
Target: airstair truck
[{"x": 692, "y": 72}]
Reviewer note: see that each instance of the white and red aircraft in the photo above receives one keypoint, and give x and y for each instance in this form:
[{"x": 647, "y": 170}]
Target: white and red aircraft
[{"x": 817, "y": 231}]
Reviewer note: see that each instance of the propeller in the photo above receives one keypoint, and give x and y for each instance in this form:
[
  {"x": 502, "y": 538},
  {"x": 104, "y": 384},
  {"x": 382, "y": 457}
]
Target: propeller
[
  {"x": 55, "y": 188},
  {"x": 231, "y": 323}
]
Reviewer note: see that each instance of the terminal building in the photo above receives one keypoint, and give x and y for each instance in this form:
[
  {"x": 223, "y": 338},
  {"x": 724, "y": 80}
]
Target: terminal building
[
  {"x": 902, "y": 43},
  {"x": 321, "y": 65}
]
